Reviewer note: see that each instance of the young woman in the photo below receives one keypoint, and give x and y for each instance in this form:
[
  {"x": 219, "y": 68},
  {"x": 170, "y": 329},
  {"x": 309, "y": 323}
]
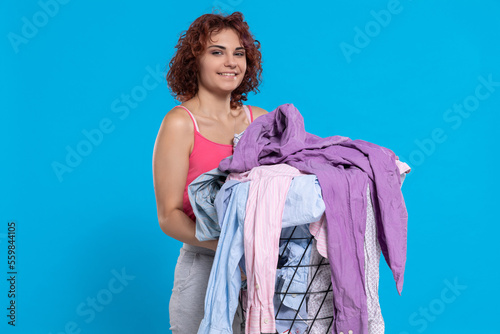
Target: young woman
[{"x": 216, "y": 64}]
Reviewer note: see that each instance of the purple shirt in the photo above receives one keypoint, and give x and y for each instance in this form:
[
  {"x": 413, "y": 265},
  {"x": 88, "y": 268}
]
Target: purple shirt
[{"x": 344, "y": 168}]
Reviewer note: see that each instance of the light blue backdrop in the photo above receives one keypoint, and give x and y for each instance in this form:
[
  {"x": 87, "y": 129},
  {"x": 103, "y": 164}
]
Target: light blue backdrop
[{"x": 419, "y": 77}]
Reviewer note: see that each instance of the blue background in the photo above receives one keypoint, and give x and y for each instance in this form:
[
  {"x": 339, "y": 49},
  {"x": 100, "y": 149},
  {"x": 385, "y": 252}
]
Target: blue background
[{"x": 75, "y": 232}]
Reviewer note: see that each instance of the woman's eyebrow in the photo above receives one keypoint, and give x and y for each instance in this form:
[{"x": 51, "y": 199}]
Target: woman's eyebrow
[{"x": 224, "y": 48}]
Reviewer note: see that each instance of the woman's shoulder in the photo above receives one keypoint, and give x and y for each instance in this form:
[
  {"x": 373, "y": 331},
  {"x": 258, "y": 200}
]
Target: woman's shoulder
[
  {"x": 176, "y": 125},
  {"x": 178, "y": 118},
  {"x": 175, "y": 133},
  {"x": 258, "y": 111}
]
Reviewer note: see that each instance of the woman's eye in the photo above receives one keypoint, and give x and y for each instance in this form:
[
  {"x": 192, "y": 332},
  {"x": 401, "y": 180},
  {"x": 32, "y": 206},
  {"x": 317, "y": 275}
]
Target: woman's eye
[{"x": 220, "y": 52}]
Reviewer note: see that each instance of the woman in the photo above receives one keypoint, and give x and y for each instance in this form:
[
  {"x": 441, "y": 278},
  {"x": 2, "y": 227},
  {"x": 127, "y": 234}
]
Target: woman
[{"x": 217, "y": 62}]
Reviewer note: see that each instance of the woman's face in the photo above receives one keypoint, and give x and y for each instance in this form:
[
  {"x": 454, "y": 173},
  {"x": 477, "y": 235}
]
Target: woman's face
[{"x": 223, "y": 64}]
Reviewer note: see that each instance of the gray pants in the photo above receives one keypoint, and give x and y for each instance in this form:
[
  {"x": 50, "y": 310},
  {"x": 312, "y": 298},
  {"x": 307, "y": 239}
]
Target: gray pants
[{"x": 188, "y": 295}]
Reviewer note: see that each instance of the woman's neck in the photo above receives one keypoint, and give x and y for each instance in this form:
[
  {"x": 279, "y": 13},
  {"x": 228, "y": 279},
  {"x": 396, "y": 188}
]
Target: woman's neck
[{"x": 211, "y": 105}]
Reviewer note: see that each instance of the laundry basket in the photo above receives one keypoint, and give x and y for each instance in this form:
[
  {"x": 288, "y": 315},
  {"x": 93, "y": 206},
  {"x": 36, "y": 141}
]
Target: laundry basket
[{"x": 304, "y": 307}]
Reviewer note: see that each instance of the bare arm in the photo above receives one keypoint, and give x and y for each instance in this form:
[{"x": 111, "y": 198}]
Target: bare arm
[{"x": 170, "y": 168}]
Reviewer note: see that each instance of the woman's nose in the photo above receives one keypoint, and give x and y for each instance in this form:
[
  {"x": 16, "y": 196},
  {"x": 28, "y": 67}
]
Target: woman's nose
[{"x": 230, "y": 61}]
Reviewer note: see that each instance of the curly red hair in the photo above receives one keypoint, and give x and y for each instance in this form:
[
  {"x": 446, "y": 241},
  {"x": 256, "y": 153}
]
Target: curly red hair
[{"x": 182, "y": 75}]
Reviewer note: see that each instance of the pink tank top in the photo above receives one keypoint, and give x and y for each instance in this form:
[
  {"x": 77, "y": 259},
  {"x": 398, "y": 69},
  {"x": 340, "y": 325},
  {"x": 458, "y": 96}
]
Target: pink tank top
[{"x": 206, "y": 155}]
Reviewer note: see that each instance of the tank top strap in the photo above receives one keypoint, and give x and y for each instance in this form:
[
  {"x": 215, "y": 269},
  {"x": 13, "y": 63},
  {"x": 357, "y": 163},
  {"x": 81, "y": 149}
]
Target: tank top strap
[
  {"x": 192, "y": 118},
  {"x": 248, "y": 112}
]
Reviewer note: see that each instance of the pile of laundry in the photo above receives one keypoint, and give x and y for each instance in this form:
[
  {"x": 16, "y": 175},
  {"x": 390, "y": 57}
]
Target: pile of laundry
[{"x": 305, "y": 218}]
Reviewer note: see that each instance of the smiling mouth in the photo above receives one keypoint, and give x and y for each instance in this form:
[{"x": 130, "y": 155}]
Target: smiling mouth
[{"x": 227, "y": 74}]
